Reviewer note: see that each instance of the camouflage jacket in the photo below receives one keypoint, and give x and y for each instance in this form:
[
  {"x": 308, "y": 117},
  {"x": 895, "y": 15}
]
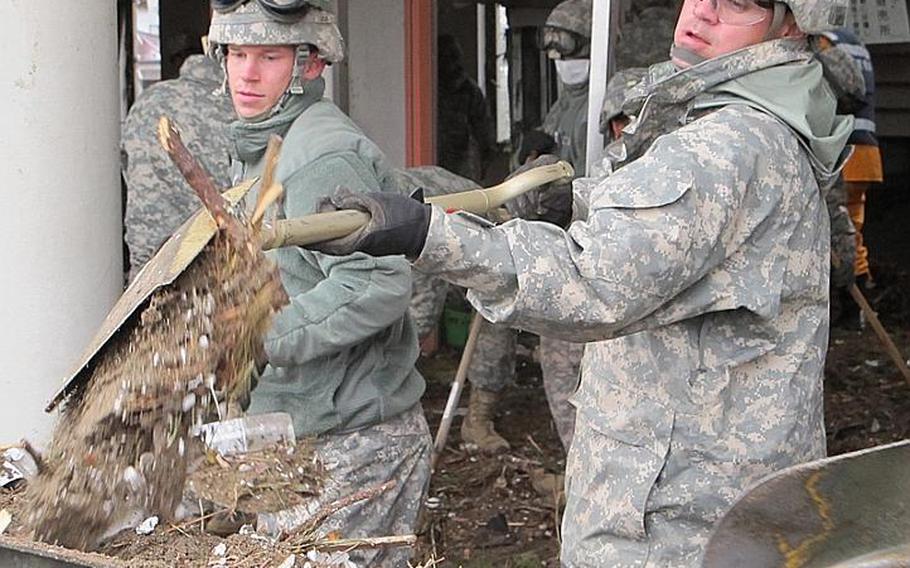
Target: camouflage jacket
[
  {"x": 158, "y": 199},
  {"x": 698, "y": 274},
  {"x": 342, "y": 354}
]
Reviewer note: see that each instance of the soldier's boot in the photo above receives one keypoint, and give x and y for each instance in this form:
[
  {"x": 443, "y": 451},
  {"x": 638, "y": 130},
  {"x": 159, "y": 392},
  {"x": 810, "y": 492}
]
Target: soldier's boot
[
  {"x": 550, "y": 486},
  {"x": 477, "y": 427}
]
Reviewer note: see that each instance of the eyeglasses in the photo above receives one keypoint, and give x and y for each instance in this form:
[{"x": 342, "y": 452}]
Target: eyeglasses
[
  {"x": 280, "y": 10},
  {"x": 740, "y": 12}
]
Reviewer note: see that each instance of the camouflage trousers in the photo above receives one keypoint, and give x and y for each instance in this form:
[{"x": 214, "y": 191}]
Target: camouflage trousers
[
  {"x": 560, "y": 363},
  {"x": 397, "y": 449},
  {"x": 493, "y": 364}
]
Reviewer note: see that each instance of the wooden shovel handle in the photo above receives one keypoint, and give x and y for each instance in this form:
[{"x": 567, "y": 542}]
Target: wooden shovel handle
[{"x": 319, "y": 227}]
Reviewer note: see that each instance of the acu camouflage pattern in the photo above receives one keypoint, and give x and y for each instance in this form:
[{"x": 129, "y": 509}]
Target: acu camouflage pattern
[
  {"x": 843, "y": 236},
  {"x": 250, "y": 25},
  {"x": 560, "y": 364},
  {"x": 817, "y": 16},
  {"x": 572, "y": 15},
  {"x": 617, "y": 88},
  {"x": 493, "y": 364},
  {"x": 841, "y": 69},
  {"x": 699, "y": 276},
  {"x": 397, "y": 450},
  {"x": 158, "y": 198}
]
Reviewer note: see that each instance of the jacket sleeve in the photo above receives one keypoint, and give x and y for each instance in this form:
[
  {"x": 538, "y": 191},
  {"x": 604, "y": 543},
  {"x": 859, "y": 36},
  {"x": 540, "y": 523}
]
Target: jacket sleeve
[
  {"x": 655, "y": 228},
  {"x": 360, "y": 295}
]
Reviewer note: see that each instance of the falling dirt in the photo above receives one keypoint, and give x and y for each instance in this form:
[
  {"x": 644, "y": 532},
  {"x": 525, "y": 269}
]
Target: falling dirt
[{"x": 484, "y": 512}]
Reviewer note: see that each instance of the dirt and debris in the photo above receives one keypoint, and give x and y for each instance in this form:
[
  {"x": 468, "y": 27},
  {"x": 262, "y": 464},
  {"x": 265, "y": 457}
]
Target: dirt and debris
[
  {"x": 483, "y": 511},
  {"x": 120, "y": 446},
  {"x": 265, "y": 481}
]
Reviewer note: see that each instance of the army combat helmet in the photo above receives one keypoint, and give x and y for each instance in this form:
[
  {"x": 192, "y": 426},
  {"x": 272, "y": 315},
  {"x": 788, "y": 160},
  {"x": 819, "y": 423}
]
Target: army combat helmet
[
  {"x": 567, "y": 31},
  {"x": 815, "y": 17},
  {"x": 304, "y": 24}
]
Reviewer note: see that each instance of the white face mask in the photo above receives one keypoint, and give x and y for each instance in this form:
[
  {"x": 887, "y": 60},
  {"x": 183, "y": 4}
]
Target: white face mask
[{"x": 573, "y": 71}]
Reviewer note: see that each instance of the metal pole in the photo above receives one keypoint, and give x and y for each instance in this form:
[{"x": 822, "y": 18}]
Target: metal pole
[
  {"x": 455, "y": 393},
  {"x": 600, "y": 61}
]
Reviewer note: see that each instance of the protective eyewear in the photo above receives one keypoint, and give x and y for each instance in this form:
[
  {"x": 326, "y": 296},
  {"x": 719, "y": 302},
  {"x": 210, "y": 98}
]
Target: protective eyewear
[
  {"x": 279, "y": 10},
  {"x": 564, "y": 42},
  {"x": 741, "y": 12}
]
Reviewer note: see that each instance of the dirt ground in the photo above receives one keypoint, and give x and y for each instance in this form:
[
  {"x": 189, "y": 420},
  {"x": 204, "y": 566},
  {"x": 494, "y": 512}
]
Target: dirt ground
[{"x": 484, "y": 512}]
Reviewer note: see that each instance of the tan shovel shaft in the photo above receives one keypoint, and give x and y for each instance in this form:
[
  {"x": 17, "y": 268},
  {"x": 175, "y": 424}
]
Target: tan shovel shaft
[{"x": 336, "y": 224}]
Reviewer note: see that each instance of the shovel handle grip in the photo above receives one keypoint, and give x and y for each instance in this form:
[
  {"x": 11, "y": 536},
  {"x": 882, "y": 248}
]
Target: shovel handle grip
[{"x": 320, "y": 227}]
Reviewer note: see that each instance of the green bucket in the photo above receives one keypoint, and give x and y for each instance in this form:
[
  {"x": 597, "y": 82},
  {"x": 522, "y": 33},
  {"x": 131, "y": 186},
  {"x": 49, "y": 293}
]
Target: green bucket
[{"x": 455, "y": 323}]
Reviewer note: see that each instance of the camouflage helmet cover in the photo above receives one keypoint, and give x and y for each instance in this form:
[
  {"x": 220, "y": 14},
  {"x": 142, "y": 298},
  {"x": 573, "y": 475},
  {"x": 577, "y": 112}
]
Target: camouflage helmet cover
[
  {"x": 248, "y": 24},
  {"x": 572, "y": 15},
  {"x": 620, "y": 84},
  {"x": 817, "y": 16}
]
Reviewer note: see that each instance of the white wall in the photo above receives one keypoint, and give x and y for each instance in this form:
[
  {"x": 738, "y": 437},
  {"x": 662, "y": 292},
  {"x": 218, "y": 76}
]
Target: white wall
[
  {"x": 60, "y": 249},
  {"x": 376, "y": 90}
]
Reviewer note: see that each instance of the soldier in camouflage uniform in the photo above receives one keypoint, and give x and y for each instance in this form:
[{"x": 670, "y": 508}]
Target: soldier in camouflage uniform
[
  {"x": 612, "y": 118},
  {"x": 158, "y": 198},
  {"x": 429, "y": 293},
  {"x": 341, "y": 355},
  {"x": 492, "y": 366},
  {"x": 697, "y": 272},
  {"x": 464, "y": 133}
]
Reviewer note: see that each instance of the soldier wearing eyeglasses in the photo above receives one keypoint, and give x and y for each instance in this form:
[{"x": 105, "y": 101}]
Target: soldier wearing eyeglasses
[{"x": 697, "y": 273}]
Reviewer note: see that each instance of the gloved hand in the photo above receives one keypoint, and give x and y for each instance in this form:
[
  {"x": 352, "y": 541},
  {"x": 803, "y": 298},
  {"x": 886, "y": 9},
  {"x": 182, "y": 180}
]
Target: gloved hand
[
  {"x": 535, "y": 143},
  {"x": 534, "y": 203},
  {"x": 398, "y": 224},
  {"x": 238, "y": 400}
]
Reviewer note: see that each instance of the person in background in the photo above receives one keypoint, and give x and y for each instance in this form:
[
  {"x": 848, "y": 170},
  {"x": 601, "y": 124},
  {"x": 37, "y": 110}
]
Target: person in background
[
  {"x": 863, "y": 169},
  {"x": 464, "y": 128},
  {"x": 696, "y": 272},
  {"x": 158, "y": 199}
]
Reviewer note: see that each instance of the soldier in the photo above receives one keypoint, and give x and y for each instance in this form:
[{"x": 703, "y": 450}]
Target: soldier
[
  {"x": 864, "y": 168},
  {"x": 158, "y": 199},
  {"x": 341, "y": 356},
  {"x": 566, "y": 38},
  {"x": 697, "y": 272},
  {"x": 464, "y": 137},
  {"x": 612, "y": 118}
]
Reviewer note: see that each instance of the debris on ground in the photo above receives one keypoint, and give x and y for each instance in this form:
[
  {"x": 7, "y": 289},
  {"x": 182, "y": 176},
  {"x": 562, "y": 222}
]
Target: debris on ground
[{"x": 120, "y": 447}]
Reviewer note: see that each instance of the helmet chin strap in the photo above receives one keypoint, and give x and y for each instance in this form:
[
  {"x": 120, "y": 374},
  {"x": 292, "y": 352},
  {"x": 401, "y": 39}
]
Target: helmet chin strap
[{"x": 777, "y": 20}]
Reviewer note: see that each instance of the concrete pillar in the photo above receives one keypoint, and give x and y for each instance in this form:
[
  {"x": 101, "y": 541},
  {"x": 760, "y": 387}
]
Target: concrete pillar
[
  {"x": 60, "y": 235},
  {"x": 375, "y": 73}
]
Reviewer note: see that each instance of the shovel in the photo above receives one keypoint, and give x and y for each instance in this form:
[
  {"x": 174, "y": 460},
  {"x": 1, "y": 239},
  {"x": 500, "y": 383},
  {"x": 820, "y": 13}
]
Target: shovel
[{"x": 336, "y": 224}]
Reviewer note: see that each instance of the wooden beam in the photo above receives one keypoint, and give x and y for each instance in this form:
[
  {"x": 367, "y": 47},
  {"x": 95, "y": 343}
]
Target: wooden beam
[{"x": 420, "y": 82}]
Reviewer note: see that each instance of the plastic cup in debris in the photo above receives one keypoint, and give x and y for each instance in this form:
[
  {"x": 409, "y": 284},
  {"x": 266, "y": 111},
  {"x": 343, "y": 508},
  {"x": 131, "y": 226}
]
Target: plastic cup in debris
[
  {"x": 15, "y": 464},
  {"x": 247, "y": 434}
]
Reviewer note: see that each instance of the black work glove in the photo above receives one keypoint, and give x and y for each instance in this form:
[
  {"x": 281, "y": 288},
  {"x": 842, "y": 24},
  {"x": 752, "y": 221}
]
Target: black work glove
[
  {"x": 535, "y": 143},
  {"x": 398, "y": 224}
]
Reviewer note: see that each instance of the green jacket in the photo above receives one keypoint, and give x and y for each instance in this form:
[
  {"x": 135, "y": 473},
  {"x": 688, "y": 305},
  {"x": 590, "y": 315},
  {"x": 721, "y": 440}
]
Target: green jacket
[
  {"x": 567, "y": 123},
  {"x": 342, "y": 354}
]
